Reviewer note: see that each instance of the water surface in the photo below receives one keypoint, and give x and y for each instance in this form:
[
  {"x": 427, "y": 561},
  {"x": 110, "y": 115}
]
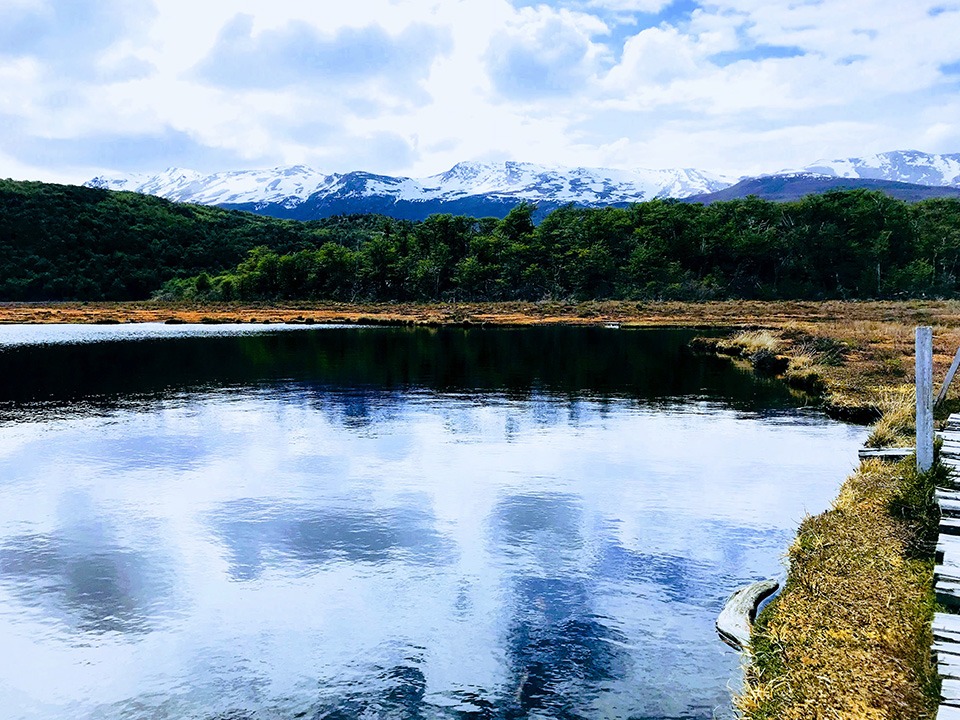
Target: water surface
[{"x": 386, "y": 523}]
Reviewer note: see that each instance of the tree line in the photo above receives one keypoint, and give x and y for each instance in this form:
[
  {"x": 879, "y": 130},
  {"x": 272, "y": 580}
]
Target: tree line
[{"x": 61, "y": 242}]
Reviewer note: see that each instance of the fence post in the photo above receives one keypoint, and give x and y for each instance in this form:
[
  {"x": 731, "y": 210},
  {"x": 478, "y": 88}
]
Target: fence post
[
  {"x": 924, "y": 374},
  {"x": 949, "y": 379}
]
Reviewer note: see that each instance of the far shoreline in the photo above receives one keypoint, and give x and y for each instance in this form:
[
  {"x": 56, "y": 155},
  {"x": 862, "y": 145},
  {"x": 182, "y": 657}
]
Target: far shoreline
[
  {"x": 849, "y": 350},
  {"x": 733, "y": 314}
]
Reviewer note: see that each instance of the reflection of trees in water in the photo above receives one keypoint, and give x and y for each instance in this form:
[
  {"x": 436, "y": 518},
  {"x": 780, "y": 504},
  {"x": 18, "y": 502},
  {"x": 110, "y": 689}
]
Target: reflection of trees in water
[
  {"x": 367, "y": 370},
  {"x": 95, "y": 588},
  {"x": 260, "y": 535}
]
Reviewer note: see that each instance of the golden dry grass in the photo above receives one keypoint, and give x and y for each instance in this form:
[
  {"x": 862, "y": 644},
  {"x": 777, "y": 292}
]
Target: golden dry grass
[
  {"x": 849, "y": 637},
  {"x": 896, "y": 426},
  {"x": 750, "y": 342}
]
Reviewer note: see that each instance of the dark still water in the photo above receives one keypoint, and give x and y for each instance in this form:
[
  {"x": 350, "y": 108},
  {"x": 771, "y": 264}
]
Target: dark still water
[{"x": 242, "y": 524}]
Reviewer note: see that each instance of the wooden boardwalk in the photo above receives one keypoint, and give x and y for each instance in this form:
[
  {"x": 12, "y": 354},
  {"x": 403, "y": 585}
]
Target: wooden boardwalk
[{"x": 946, "y": 577}]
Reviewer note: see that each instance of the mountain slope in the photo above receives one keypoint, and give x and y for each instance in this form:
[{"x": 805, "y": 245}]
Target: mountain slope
[
  {"x": 906, "y": 166},
  {"x": 492, "y": 189},
  {"x": 793, "y": 186},
  {"x": 481, "y": 189}
]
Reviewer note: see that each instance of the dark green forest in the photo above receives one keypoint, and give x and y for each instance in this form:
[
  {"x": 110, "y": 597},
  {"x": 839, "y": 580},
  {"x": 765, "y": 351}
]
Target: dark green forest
[{"x": 71, "y": 243}]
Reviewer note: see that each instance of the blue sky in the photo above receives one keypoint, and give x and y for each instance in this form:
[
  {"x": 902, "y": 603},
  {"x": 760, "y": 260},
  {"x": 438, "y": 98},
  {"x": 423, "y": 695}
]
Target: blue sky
[{"x": 414, "y": 86}]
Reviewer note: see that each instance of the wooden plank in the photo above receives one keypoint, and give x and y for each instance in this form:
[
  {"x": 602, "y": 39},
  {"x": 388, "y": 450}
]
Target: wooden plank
[
  {"x": 949, "y": 547},
  {"x": 948, "y": 638},
  {"x": 886, "y": 453},
  {"x": 946, "y": 647},
  {"x": 950, "y": 508},
  {"x": 947, "y": 621},
  {"x": 948, "y": 712},
  {"x": 949, "y": 667},
  {"x": 945, "y": 631},
  {"x": 948, "y": 565},
  {"x": 947, "y": 573},
  {"x": 950, "y": 692},
  {"x": 942, "y": 395},
  {"x": 949, "y": 526}
]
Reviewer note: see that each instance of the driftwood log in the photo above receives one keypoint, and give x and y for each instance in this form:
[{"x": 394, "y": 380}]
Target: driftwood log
[{"x": 739, "y": 612}]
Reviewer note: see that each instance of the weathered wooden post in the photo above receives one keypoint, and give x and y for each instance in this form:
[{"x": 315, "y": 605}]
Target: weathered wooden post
[
  {"x": 924, "y": 373},
  {"x": 954, "y": 366}
]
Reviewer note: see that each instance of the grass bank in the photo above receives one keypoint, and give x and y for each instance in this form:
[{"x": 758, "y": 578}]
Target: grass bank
[{"x": 849, "y": 635}]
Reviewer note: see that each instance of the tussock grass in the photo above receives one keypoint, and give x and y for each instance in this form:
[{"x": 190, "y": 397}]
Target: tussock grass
[
  {"x": 897, "y": 425},
  {"x": 750, "y": 342},
  {"x": 849, "y": 636},
  {"x": 804, "y": 372}
]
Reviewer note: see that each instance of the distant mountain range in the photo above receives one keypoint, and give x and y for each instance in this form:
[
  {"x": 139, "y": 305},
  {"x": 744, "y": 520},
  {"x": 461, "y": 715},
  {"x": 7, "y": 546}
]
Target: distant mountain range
[
  {"x": 793, "y": 186},
  {"x": 492, "y": 189}
]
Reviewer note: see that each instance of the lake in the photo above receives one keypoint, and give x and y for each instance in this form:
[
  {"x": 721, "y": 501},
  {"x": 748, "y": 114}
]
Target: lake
[{"x": 249, "y": 522}]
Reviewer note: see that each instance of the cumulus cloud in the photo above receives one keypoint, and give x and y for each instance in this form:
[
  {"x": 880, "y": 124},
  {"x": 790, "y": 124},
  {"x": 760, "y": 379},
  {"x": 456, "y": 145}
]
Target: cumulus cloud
[
  {"x": 412, "y": 86},
  {"x": 300, "y": 54},
  {"x": 654, "y": 56},
  {"x": 545, "y": 53},
  {"x": 68, "y": 35}
]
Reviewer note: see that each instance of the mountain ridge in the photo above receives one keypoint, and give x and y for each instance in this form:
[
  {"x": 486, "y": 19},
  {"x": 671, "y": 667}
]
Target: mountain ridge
[{"x": 474, "y": 188}]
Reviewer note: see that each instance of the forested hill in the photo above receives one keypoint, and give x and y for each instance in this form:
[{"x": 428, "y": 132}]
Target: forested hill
[{"x": 64, "y": 242}]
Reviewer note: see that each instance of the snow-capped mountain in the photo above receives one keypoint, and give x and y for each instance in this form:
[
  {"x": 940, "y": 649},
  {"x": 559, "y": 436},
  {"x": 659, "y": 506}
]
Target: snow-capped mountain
[
  {"x": 484, "y": 189},
  {"x": 906, "y": 166},
  {"x": 302, "y": 192},
  {"x": 287, "y": 186}
]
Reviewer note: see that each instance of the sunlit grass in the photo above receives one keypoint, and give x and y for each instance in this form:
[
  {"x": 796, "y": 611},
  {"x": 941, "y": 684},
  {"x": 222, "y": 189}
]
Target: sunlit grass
[
  {"x": 896, "y": 426},
  {"x": 849, "y": 637}
]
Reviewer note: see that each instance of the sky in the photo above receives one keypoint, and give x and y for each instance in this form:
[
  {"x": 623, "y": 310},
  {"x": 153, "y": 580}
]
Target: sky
[{"x": 411, "y": 87}]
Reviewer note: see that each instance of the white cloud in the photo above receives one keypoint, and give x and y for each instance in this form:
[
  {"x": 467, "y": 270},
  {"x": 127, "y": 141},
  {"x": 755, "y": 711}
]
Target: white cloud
[
  {"x": 655, "y": 56},
  {"x": 544, "y": 52},
  {"x": 733, "y": 86}
]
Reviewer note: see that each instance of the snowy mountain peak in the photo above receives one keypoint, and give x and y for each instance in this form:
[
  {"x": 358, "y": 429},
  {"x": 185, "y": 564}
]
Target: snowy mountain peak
[
  {"x": 477, "y": 187},
  {"x": 293, "y": 185},
  {"x": 908, "y": 166}
]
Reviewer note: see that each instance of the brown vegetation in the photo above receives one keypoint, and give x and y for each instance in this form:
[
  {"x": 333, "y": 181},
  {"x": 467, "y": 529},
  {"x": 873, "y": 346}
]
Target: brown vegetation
[{"x": 849, "y": 637}]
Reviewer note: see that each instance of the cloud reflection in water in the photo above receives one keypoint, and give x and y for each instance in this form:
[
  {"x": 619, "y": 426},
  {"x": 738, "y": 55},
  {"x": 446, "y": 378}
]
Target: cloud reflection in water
[{"x": 259, "y": 536}]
